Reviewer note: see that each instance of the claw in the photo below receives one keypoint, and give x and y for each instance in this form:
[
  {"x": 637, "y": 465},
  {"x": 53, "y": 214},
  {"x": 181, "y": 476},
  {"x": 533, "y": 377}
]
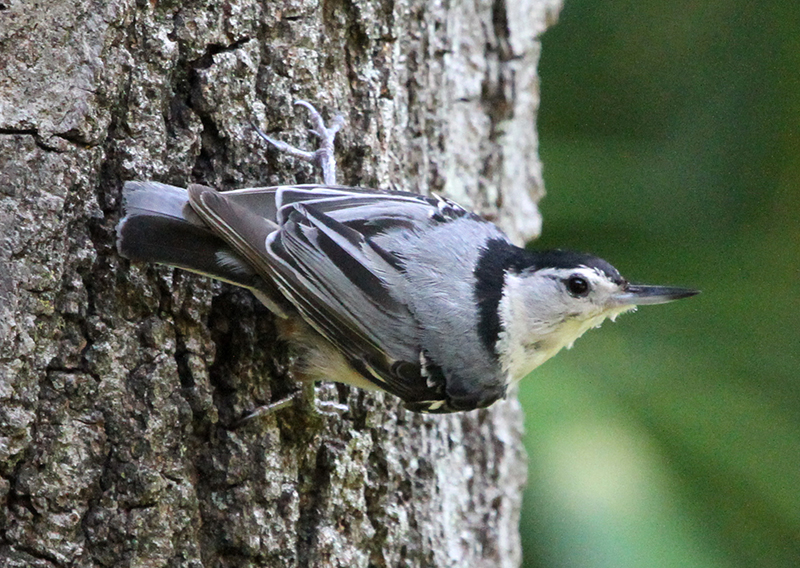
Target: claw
[
  {"x": 266, "y": 410},
  {"x": 286, "y": 148},
  {"x": 316, "y": 117}
]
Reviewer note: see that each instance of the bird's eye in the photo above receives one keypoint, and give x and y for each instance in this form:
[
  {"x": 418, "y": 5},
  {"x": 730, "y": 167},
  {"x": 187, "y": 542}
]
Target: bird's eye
[{"x": 577, "y": 286}]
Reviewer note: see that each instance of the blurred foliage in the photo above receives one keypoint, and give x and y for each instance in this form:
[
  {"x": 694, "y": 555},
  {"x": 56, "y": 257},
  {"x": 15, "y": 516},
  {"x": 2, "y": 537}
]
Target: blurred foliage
[{"x": 670, "y": 136}]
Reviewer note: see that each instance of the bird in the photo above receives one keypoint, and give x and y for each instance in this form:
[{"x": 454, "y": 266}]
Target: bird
[{"x": 383, "y": 290}]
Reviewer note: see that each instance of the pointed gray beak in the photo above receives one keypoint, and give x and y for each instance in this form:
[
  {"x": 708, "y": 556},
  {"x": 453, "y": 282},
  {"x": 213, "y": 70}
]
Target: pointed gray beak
[{"x": 640, "y": 295}]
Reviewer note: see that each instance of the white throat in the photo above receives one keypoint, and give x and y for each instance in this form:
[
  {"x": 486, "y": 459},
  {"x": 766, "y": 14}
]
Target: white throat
[{"x": 534, "y": 328}]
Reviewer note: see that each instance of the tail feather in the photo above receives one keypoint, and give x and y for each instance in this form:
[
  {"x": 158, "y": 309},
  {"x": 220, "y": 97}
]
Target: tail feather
[{"x": 160, "y": 226}]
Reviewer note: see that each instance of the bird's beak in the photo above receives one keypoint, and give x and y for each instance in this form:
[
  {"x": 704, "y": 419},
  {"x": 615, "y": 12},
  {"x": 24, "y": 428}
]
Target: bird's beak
[{"x": 640, "y": 295}]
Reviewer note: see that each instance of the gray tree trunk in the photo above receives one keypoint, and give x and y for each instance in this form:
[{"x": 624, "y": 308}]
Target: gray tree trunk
[{"x": 119, "y": 383}]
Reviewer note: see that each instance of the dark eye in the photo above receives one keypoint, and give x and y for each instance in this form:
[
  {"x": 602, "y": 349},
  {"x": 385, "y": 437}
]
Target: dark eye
[{"x": 577, "y": 286}]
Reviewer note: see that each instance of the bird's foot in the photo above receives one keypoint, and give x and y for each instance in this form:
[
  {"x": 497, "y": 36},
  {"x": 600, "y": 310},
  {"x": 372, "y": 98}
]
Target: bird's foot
[
  {"x": 305, "y": 398},
  {"x": 323, "y": 156}
]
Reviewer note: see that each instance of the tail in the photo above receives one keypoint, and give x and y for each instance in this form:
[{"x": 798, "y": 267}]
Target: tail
[{"x": 160, "y": 226}]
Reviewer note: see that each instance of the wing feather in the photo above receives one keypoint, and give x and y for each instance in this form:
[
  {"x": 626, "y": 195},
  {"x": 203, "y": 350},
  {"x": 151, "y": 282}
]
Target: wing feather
[
  {"x": 316, "y": 245},
  {"x": 335, "y": 278},
  {"x": 370, "y": 211}
]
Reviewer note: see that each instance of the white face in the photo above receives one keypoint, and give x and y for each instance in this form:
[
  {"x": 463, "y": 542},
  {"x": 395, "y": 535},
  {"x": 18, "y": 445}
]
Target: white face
[{"x": 546, "y": 310}]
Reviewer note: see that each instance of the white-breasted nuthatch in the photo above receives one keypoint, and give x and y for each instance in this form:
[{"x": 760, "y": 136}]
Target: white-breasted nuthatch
[{"x": 387, "y": 290}]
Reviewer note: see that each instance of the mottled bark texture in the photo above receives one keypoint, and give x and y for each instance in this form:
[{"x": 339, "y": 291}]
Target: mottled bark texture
[{"x": 119, "y": 382}]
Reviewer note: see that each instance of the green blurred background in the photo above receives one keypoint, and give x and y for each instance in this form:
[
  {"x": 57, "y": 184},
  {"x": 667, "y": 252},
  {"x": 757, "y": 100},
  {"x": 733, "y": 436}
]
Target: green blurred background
[{"x": 671, "y": 145}]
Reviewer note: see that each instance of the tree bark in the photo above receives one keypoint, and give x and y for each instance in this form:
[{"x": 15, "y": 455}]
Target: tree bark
[{"x": 119, "y": 383}]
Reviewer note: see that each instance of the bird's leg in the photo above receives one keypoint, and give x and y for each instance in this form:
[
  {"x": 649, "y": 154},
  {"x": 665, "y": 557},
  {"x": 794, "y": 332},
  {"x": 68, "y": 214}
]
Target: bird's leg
[{"x": 323, "y": 156}]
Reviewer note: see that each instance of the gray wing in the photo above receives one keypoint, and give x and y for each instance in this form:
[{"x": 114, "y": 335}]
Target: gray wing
[
  {"x": 347, "y": 287},
  {"x": 370, "y": 212}
]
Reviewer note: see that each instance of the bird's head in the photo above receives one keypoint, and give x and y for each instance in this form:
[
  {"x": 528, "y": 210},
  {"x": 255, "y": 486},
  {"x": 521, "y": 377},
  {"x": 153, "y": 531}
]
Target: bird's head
[{"x": 560, "y": 295}]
